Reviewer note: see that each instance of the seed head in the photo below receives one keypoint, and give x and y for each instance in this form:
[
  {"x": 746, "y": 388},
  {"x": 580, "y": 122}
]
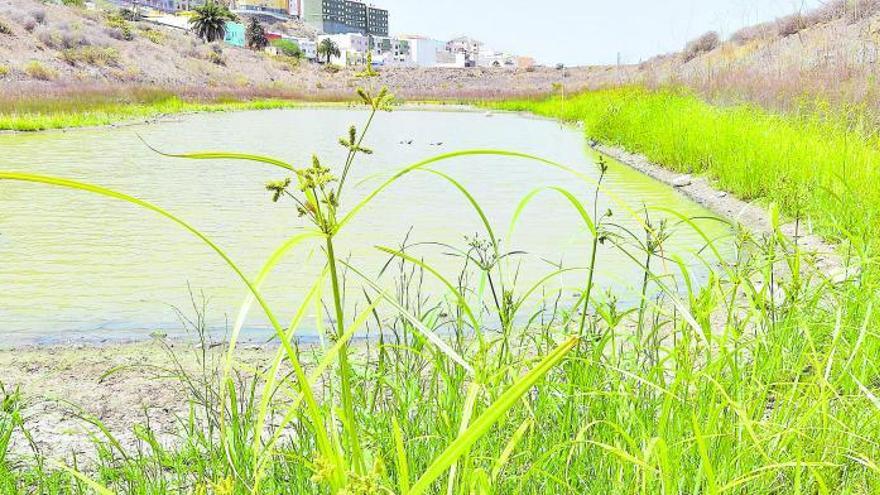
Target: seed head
[{"x": 278, "y": 188}]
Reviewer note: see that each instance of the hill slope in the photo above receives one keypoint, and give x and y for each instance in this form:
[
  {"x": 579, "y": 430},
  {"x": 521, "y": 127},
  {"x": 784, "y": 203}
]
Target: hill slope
[
  {"x": 831, "y": 53},
  {"x": 45, "y": 46}
]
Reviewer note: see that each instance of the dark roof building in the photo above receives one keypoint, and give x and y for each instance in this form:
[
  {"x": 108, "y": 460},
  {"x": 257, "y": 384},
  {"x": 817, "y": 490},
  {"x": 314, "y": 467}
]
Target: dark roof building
[{"x": 345, "y": 16}]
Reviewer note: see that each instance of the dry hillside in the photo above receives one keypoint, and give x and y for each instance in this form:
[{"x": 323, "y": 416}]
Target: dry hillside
[
  {"x": 50, "y": 47},
  {"x": 831, "y": 53}
]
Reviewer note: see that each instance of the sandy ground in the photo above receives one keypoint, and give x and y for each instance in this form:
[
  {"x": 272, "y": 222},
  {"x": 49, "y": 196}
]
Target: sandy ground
[{"x": 63, "y": 383}]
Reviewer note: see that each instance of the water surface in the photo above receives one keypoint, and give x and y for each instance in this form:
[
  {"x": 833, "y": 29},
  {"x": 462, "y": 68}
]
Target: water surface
[{"x": 73, "y": 265}]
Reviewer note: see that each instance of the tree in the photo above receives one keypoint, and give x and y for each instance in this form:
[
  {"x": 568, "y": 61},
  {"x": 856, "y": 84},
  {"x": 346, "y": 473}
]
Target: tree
[
  {"x": 255, "y": 36},
  {"x": 328, "y": 49},
  {"x": 209, "y": 21}
]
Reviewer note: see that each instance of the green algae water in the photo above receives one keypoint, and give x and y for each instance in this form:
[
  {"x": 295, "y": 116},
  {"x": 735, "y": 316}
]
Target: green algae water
[{"x": 75, "y": 266}]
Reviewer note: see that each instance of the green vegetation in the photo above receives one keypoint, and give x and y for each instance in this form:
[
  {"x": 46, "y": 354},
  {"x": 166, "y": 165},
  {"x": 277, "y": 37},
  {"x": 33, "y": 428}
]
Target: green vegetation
[
  {"x": 117, "y": 21},
  {"x": 37, "y": 70},
  {"x": 763, "y": 379},
  {"x": 87, "y": 111},
  {"x": 288, "y": 48},
  {"x": 368, "y": 71},
  {"x": 255, "y": 35},
  {"x": 816, "y": 165},
  {"x": 91, "y": 55},
  {"x": 209, "y": 20},
  {"x": 328, "y": 49}
]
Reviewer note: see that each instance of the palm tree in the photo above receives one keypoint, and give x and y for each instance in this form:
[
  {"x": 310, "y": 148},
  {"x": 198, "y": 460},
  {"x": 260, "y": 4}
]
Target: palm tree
[
  {"x": 328, "y": 49},
  {"x": 209, "y": 21},
  {"x": 256, "y": 35}
]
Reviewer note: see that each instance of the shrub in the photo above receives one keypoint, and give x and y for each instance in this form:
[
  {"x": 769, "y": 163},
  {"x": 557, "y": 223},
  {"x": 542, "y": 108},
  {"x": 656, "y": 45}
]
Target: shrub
[
  {"x": 37, "y": 70},
  {"x": 255, "y": 35},
  {"x": 129, "y": 14},
  {"x": 790, "y": 24},
  {"x": 288, "y": 64},
  {"x": 62, "y": 38},
  {"x": 81, "y": 4},
  {"x": 287, "y": 48},
  {"x": 92, "y": 55},
  {"x": 851, "y": 10},
  {"x": 119, "y": 27},
  {"x": 29, "y": 24},
  {"x": 39, "y": 16},
  {"x": 703, "y": 44},
  {"x": 750, "y": 33},
  {"x": 154, "y": 35},
  {"x": 4, "y": 70},
  {"x": 5, "y": 29},
  {"x": 215, "y": 55}
]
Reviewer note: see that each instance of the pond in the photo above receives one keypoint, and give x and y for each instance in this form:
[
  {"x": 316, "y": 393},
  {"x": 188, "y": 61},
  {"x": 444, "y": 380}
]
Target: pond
[{"x": 77, "y": 266}]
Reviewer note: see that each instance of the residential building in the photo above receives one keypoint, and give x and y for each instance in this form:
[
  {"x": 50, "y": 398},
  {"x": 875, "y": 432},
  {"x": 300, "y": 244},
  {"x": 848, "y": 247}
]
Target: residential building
[
  {"x": 467, "y": 46},
  {"x": 423, "y": 50},
  {"x": 309, "y": 47},
  {"x": 353, "y": 48},
  {"x": 491, "y": 58},
  {"x": 452, "y": 60},
  {"x": 234, "y": 34},
  {"x": 390, "y": 51},
  {"x": 344, "y": 16},
  {"x": 163, "y": 5},
  {"x": 377, "y": 21},
  {"x": 282, "y": 7}
]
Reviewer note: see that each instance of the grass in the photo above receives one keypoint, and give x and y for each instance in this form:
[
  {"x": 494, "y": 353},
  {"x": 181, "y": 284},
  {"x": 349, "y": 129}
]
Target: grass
[
  {"x": 38, "y": 71},
  {"x": 91, "y": 55},
  {"x": 815, "y": 165},
  {"x": 762, "y": 380},
  {"x": 94, "y": 110}
]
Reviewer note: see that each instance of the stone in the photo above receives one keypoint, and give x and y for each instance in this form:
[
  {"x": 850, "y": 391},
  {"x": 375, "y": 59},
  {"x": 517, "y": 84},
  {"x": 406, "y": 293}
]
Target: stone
[{"x": 682, "y": 181}]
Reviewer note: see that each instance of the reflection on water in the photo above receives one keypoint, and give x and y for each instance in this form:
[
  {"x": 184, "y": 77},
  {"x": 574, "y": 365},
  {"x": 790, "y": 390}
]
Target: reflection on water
[{"x": 76, "y": 265}]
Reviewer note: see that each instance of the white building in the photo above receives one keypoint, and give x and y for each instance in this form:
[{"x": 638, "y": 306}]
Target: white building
[
  {"x": 353, "y": 48},
  {"x": 390, "y": 52},
  {"x": 309, "y": 48},
  {"x": 424, "y": 51},
  {"x": 490, "y": 58},
  {"x": 452, "y": 60}
]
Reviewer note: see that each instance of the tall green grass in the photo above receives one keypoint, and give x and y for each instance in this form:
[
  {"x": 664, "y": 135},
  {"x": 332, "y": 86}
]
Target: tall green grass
[
  {"x": 67, "y": 113},
  {"x": 816, "y": 164},
  {"x": 761, "y": 380}
]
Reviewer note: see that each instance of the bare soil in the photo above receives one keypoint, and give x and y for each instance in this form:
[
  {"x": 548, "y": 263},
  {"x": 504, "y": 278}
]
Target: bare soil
[{"x": 43, "y": 54}]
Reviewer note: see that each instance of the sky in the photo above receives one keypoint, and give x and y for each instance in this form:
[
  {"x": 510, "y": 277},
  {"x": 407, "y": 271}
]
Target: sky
[{"x": 582, "y": 32}]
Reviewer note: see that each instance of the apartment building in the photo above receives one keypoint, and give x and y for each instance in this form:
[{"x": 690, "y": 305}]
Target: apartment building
[
  {"x": 282, "y": 7},
  {"x": 163, "y": 5},
  {"x": 344, "y": 16},
  {"x": 389, "y": 51}
]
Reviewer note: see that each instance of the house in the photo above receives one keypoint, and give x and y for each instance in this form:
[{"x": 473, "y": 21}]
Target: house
[
  {"x": 452, "y": 60},
  {"x": 388, "y": 51},
  {"x": 470, "y": 47},
  {"x": 491, "y": 58},
  {"x": 424, "y": 51},
  {"x": 309, "y": 47},
  {"x": 234, "y": 34}
]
